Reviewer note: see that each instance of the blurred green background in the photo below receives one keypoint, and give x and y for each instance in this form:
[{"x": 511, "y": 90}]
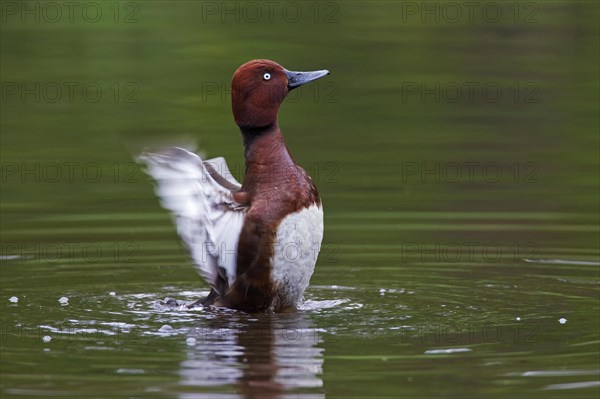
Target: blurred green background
[{"x": 441, "y": 124}]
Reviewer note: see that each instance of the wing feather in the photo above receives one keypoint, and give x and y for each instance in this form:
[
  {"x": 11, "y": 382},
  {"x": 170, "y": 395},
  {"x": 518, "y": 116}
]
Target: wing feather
[{"x": 199, "y": 194}]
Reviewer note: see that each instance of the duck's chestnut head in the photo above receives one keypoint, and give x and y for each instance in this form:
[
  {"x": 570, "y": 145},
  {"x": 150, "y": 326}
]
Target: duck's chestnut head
[{"x": 258, "y": 88}]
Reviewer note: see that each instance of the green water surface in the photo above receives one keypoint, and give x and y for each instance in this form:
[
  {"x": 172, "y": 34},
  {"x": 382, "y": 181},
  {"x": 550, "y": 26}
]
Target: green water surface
[{"x": 457, "y": 157}]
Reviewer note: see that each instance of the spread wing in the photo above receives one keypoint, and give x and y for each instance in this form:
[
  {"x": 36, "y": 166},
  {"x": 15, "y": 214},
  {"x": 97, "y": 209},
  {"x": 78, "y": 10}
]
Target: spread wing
[{"x": 200, "y": 196}]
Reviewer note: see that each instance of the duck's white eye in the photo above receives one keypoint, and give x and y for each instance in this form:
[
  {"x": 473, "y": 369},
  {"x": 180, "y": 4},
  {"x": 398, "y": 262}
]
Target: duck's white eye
[{"x": 267, "y": 76}]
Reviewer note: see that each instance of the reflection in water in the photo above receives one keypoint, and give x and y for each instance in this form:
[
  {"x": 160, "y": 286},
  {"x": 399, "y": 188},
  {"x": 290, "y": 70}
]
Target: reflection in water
[{"x": 264, "y": 356}]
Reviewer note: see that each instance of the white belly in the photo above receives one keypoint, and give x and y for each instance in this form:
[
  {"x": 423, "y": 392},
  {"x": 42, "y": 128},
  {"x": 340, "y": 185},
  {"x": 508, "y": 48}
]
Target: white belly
[{"x": 297, "y": 245}]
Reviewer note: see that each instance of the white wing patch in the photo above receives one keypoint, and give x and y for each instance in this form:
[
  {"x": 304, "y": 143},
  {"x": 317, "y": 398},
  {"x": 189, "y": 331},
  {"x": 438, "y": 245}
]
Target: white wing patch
[
  {"x": 208, "y": 220},
  {"x": 297, "y": 246}
]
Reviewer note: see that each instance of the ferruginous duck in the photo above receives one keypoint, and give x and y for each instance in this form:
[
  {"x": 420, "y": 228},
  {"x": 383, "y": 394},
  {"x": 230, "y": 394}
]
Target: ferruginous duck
[{"x": 257, "y": 243}]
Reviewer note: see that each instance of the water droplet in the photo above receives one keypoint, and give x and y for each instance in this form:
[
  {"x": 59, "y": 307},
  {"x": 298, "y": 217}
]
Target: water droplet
[
  {"x": 191, "y": 341},
  {"x": 562, "y": 320},
  {"x": 64, "y": 300},
  {"x": 518, "y": 318},
  {"x": 13, "y": 299},
  {"x": 47, "y": 338},
  {"x": 112, "y": 293},
  {"x": 165, "y": 328}
]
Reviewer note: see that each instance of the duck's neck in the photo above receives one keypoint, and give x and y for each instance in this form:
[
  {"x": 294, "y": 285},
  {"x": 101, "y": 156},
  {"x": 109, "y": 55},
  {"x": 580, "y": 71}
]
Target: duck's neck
[
  {"x": 266, "y": 154},
  {"x": 251, "y": 133}
]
